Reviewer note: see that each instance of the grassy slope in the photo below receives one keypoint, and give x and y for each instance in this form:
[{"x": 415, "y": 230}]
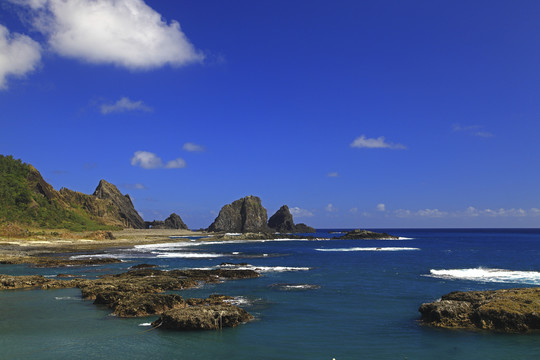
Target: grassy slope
[{"x": 20, "y": 204}]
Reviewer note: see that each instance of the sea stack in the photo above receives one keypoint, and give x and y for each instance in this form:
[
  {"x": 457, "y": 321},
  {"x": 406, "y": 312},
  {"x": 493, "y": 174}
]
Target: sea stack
[
  {"x": 282, "y": 222},
  {"x": 241, "y": 216},
  {"x": 125, "y": 208}
]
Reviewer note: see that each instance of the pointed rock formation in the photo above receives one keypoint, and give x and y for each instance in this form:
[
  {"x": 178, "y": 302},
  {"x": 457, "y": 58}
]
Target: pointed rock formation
[
  {"x": 125, "y": 208},
  {"x": 282, "y": 222},
  {"x": 241, "y": 216}
]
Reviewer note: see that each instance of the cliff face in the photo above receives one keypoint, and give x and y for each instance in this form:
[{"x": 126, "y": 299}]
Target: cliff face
[
  {"x": 243, "y": 215},
  {"x": 122, "y": 206},
  {"x": 282, "y": 221}
]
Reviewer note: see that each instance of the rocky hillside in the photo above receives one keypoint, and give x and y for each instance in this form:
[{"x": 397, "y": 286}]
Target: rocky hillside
[{"x": 26, "y": 198}]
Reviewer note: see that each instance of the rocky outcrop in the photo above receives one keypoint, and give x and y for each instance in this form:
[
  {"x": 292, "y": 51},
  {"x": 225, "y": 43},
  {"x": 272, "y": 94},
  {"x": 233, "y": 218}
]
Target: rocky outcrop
[
  {"x": 509, "y": 310},
  {"x": 174, "y": 221},
  {"x": 243, "y": 215},
  {"x": 123, "y": 206},
  {"x": 367, "y": 235},
  {"x": 211, "y": 317},
  {"x": 282, "y": 221}
]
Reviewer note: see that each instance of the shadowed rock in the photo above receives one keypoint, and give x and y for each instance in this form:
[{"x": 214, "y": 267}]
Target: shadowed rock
[
  {"x": 174, "y": 221},
  {"x": 509, "y": 310},
  {"x": 282, "y": 221},
  {"x": 243, "y": 215}
]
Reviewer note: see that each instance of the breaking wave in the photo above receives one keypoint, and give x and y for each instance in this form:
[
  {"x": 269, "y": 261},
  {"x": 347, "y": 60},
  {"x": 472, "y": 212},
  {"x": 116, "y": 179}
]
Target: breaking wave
[
  {"x": 488, "y": 275},
  {"x": 257, "y": 268},
  {"x": 371, "y": 249}
]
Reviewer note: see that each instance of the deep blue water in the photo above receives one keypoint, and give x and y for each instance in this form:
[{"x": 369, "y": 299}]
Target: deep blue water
[{"x": 361, "y": 303}]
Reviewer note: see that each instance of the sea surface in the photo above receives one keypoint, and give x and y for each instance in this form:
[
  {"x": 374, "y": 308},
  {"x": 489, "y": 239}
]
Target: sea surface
[{"x": 322, "y": 299}]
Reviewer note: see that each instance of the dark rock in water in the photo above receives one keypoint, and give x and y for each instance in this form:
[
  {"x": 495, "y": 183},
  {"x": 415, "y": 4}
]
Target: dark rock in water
[
  {"x": 282, "y": 221},
  {"x": 509, "y": 310},
  {"x": 243, "y": 215},
  {"x": 209, "y": 317},
  {"x": 130, "y": 304},
  {"x": 143, "y": 266},
  {"x": 125, "y": 208},
  {"x": 303, "y": 228},
  {"x": 172, "y": 222},
  {"x": 359, "y": 234}
]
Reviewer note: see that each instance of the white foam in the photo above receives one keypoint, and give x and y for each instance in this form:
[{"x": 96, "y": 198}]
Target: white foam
[
  {"x": 405, "y": 238},
  {"x": 488, "y": 275},
  {"x": 67, "y": 298},
  {"x": 188, "y": 255},
  {"x": 239, "y": 301},
  {"x": 371, "y": 249},
  {"x": 145, "y": 324},
  {"x": 95, "y": 256},
  {"x": 258, "y": 268}
]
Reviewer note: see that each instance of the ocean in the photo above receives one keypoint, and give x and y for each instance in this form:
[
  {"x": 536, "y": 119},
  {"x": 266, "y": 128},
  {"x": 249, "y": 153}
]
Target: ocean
[{"x": 321, "y": 299}]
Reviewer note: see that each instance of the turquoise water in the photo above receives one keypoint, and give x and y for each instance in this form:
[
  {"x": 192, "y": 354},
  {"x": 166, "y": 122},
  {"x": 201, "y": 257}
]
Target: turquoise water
[{"x": 361, "y": 303}]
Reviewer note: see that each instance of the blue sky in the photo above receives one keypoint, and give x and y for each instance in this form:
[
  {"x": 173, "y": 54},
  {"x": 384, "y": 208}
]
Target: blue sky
[{"x": 354, "y": 113}]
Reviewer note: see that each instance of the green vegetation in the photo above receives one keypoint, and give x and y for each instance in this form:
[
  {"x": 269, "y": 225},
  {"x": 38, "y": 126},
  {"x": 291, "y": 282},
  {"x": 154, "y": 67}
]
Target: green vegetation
[{"x": 20, "y": 203}]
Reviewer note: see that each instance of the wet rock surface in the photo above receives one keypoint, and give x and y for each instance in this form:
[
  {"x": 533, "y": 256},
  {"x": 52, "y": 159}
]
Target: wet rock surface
[
  {"x": 509, "y": 310},
  {"x": 139, "y": 293},
  {"x": 203, "y": 317}
]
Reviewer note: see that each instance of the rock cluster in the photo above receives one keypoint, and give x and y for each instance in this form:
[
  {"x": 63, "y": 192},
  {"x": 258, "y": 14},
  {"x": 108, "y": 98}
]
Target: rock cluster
[
  {"x": 247, "y": 215},
  {"x": 174, "y": 221},
  {"x": 509, "y": 310},
  {"x": 140, "y": 293},
  {"x": 282, "y": 221},
  {"x": 359, "y": 234},
  {"x": 243, "y": 215}
]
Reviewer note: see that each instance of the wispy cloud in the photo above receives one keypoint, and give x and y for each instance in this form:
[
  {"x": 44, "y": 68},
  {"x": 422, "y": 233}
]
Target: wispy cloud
[
  {"x": 473, "y": 130},
  {"x": 19, "y": 55},
  {"x": 126, "y": 33},
  {"x": 332, "y": 174},
  {"x": 381, "y": 207},
  {"x": 330, "y": 208},
  {"x": 123, "y": 105},
  {"x": 149, "y": 160},
  {"x": 469, "y": 212},
  {"x": 192, "y": 147},
  {"x": 136, "y": 186},
  {"x": 298, "y": 212},
  {"x": 375, "y": 143}
]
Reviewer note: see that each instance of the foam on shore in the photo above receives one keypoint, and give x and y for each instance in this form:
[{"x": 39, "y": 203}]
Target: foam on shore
[{"x": 488, "y": 275}]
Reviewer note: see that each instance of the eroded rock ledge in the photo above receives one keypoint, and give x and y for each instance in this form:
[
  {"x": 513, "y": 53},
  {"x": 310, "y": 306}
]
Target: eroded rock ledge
[
  {"x": 509, "y": 310},
  {"x": 138, "y": 293}
]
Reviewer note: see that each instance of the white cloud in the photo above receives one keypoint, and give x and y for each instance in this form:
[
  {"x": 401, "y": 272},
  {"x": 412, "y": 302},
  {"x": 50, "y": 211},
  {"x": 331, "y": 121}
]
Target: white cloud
[
  {"x": 125, "y": 33},
  {"x": 473, "y": 130},
  {"x": 176, "y": 164},
  {"x": 124, "y": 104},
  {"x": 189, "y": 146},
  {"x": 149, "y": 160},
  {"x": 381, "y": 207},
  {"x": 146, "y": 160},
  {"x": 353, "y": 210},
  {"x": 332, "y": 174},
  {"x": 19, "y": 55},
  {"x": 330, "y": 208},
  {"x": 137, "y": 186},
  {"x": 433, "y": 213},
  {"x": 378, "y": 143},
  {"x": 298, "y": 212}
]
